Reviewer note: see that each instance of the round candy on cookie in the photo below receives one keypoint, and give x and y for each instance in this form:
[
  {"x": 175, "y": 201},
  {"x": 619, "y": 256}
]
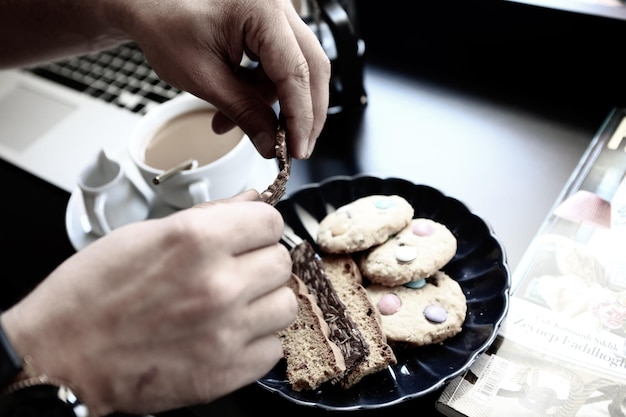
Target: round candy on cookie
[
  {"x": 416, "y": 252},
  {"x": 363, "y": 223},
  {"x": 420, "y": 316}
]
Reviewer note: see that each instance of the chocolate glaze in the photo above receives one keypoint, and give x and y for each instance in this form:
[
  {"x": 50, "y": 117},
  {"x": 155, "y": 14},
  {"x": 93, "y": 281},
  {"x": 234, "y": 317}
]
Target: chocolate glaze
[{"x": 343, "y": 330}]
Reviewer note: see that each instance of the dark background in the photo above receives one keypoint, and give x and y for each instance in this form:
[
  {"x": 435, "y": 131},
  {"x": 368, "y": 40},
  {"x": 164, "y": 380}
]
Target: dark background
[{"x": 564, "y": 65}]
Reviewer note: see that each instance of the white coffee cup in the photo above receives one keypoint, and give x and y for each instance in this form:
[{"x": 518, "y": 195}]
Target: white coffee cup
[
  {"x": 180, "y": 130},
  {"x": 111, "y": 200}
]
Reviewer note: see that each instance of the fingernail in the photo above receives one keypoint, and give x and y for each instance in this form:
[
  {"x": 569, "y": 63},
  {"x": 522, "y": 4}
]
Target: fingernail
[
  {"x": 311, "y": 147},
  {"x": 304, "y": 151}
]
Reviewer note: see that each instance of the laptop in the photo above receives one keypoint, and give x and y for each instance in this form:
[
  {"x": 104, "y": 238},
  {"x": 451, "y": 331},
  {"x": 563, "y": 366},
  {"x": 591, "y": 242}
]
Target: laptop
[{"x": 54, "y": 118}]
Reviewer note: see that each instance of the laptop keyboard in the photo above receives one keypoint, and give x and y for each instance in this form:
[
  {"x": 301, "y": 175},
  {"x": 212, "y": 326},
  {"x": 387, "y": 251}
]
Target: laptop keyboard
[{"x": 120, "y": 76}]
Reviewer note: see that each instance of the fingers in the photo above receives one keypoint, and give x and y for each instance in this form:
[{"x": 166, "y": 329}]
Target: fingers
[
  {"x": 254, "y": 362},
  {"x": 263, "y": 270},
  {"x": 235, "y": 225},
  {"x": 263, "y": 88},
  {"x": 247, "y": 195},
  {"x": 243, "y": 103},
  {"x": 262, "y": 264},
  {"x": 271, "y": 313},
  {"x": 319, "y": 77},
  {"x": 264, "y": 353},
  {"x": 285, "y": 63},
  {"x": 293, "y": 67}
]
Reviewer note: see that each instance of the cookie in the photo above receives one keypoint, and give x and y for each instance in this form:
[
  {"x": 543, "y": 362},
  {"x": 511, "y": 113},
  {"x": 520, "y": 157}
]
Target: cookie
[
  {"x": 420, "y": 316},
  {"x": 363, "y": 223},
  {"x": 417, "y": 251}
]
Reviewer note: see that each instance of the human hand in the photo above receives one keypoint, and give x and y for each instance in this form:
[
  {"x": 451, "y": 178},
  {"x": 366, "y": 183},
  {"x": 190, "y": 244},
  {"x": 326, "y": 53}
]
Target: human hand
[
  {"x": 163, "y": 313},
  {"x": 197, "y": 45}
]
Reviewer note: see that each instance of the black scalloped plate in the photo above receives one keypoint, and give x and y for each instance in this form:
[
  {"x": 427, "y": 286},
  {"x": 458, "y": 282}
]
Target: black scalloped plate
[{"x": 479, "y": 266}]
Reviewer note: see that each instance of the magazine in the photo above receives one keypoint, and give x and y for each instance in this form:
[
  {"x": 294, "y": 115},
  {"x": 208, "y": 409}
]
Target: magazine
[{"x": 562, "y": 348}]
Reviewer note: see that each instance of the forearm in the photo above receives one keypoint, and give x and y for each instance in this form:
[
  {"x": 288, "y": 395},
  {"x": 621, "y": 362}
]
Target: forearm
[{"x": 40, "y": 30}]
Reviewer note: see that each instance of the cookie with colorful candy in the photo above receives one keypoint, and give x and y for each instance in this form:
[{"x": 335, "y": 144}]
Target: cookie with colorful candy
[
  {"x": 419, "y": 250},
  {"x": 363, "y": 223},
  {"x": 420, "y": 316}
]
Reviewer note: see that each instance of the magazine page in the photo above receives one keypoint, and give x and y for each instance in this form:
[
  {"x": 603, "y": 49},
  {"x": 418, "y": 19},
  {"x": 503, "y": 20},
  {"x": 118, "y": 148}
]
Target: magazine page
[
  {"x": 562, "y": 349},
  {"x": 509, "y": 380},
  {"x": 572, "y": 307}
]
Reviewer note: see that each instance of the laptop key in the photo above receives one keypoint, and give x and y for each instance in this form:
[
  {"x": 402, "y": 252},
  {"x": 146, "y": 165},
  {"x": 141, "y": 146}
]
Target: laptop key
[
  {"x": 53, "y": 76},
  {"x": 132, "y": 83}
]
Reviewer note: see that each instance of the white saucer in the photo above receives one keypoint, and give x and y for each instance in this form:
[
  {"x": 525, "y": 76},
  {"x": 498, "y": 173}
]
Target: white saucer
[{"x": 79, "y": 229}]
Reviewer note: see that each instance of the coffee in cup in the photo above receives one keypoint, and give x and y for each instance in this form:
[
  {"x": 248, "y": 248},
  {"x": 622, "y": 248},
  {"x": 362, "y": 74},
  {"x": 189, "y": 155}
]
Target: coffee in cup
[
  {"x": 183, "y": 160},
  {"x": 185, "y": 137}
]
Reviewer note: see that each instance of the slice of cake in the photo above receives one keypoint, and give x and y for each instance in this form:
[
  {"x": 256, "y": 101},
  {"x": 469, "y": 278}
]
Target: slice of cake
[
  {"x": 346, "y": 278},
  {"x": 344, "y": 332},
  {"x": 311, "y": 357}
]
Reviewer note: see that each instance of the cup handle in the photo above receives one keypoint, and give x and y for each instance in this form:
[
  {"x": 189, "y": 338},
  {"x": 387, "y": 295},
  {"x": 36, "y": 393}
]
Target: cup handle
[
  {"x": 199, "y": 192},
  {"x": 102, "y": 224}
]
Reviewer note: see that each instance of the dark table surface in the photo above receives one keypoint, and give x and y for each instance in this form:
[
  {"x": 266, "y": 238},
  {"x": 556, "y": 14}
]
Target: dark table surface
[{"x": 462, "y": 114}]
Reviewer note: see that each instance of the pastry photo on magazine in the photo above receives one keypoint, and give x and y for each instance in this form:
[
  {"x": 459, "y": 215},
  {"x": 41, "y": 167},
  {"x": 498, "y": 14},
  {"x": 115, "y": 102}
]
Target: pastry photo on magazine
[{"x": 562, "y": 348}]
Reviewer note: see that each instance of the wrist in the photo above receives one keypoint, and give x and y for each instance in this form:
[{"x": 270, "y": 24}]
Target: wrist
[
  {"x": 38, "y": 396},
  {"x": 119, "y": 18},
  {"x": 10, "y": 362},
  {"x": 23, "y": 392}
]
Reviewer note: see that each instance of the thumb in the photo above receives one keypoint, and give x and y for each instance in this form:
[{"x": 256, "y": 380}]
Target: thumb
[{"x": 248, "y": 195}]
